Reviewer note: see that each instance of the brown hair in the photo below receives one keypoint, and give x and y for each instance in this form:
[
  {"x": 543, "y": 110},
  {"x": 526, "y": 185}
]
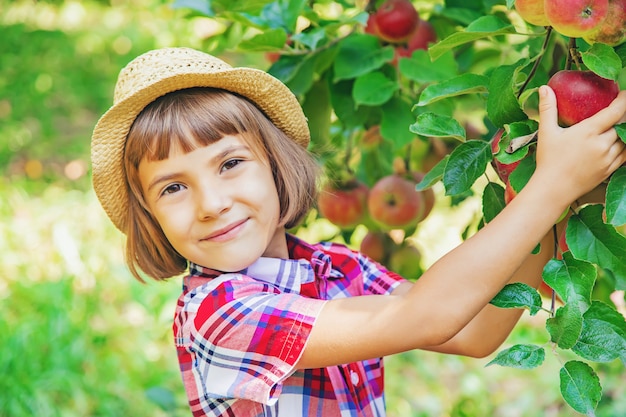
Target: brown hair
[{"x": 196, "y": 117}]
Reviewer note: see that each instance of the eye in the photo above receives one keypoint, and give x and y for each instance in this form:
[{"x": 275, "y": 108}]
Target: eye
[
  {"x": 231, "y": 163},
  {"x": 172, "y": 188}
]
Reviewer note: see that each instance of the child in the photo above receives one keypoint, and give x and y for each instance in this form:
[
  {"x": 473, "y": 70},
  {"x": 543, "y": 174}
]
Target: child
[{"x": 204, "y": 167}]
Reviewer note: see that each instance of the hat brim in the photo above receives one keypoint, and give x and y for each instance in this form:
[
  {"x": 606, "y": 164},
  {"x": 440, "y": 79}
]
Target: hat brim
[{"x": 110, "y": 133}]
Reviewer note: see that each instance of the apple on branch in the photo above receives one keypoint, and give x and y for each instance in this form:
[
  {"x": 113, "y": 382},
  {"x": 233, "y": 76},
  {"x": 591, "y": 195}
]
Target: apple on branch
[
  {"x": 344, "y": 205},
  {"x": 405, "y": 260},
  {"x": 502, "y": 169},
  {"x": 532, "y": 11},
  {"x": 422, "y": 37},
  {"x": 394, "y": 21},
  {"x": 394, "y": 203},
  {"x": 612, "y": 31},
  {"x": 376, "y": 245},
  {"x": 576, "y": 18},
  {"x": 581, "y": 94}
]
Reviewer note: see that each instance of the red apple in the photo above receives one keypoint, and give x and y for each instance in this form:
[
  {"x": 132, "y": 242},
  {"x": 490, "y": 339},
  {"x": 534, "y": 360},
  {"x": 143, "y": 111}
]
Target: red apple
[
  {"x": 532, "y": 11},
  {"x": 272, "y": 56},
  {"x": 344, "y": 205},
  {"x": 393, "y": 202},
  {"x": 376, "y": 245},
  {"x": 502, "y": 169},
  {"x": 576, "y": 18},
  {"x": 422, "y": 36},
  {"x": 371, "y": 27},
  {"x": 581, "y": 94},
  {"x": 395, "y": 20},
  {"x": 405, "y": 260},
  {"x": 612, "y": 30}
]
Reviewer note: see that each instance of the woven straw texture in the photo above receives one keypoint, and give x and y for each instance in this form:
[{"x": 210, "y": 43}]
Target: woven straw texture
[{"x": 162, "y": 71}]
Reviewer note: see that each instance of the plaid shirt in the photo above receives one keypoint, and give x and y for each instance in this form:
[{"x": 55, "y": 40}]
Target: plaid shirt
[{"x": 239, "y": 336}]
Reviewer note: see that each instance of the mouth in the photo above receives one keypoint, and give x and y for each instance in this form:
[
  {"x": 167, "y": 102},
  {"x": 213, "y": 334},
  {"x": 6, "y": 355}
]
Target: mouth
[{"x": 225, "y": 233}]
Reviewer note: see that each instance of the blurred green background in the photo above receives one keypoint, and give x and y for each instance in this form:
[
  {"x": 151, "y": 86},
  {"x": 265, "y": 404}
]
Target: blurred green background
[{"x": 78, "y": 335}]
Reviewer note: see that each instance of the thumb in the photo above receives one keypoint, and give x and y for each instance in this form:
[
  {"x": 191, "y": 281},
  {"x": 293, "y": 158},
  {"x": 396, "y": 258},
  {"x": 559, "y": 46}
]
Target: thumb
[{"x": 548, "y": 113}]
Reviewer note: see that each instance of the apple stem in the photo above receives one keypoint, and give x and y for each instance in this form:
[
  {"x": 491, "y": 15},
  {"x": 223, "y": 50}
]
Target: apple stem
[
  {"x": 348, "y": 154},
  {"x": 573, "y": 57},
  {"x": 544, "y": 47},
  {"x": 407, "y": 157}
]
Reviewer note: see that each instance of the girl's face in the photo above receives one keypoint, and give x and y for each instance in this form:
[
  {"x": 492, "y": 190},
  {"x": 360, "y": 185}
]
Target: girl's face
[{"x": 217, "y": 205}]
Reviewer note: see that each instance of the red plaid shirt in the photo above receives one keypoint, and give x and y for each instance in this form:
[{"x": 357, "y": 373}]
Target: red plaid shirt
[{"x": 239, "y": 336}]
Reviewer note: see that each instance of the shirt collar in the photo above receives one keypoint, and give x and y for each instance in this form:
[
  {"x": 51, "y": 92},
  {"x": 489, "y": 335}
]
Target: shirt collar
[{"x": 305, "y": 272}]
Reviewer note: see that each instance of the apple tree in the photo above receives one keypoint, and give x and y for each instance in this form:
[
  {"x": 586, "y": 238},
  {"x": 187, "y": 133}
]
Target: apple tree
[{"x": 404, "y": 95}]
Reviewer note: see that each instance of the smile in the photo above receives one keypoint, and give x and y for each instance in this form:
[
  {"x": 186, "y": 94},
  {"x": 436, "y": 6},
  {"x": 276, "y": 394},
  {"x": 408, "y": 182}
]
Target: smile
[{"x": 226, "y": 233}]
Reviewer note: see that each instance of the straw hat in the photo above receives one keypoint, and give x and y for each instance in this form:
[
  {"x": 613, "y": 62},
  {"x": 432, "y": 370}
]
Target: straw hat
[{"x": 162, "y": 71}]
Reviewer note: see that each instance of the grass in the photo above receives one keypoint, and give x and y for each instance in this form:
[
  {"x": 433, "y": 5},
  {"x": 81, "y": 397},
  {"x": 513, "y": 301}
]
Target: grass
[{"x": 80, "y": 336}]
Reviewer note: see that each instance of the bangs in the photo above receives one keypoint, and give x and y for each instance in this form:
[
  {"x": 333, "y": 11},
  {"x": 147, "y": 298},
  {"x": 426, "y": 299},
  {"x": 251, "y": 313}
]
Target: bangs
[{"x": 190, "y": 119}]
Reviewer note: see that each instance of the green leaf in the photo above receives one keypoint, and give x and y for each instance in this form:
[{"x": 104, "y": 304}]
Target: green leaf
[
  {"x": 345, "y": 108},
  {"x": 302, "y": 79},
  {"x": 396, "y": 119},
  {"x": 565, "y": 326},
  {"x": 434, "y": 175},
  {"x": 522, "y": 356},
  {"x": 419, "y": 67},
  {"x": 269, "y": 40},
  {"x": 286, "y": 68},
  {"x": 521, "y": 175},
  {"x": 463, "y": 84},
  {"x": 311, "y": 38},
  {"x": 572, "y": 279},
  {"x": 603, "y": 335},
  {"x": 590, "y": 239},
  {"x": 482, "y": 27},
  {"x": 580, "y": 387},
  {"x": 512, "y": 131},
  {"x": 493, "y": 201},
  {"x": 616, "y": 198},
  {"x": 502, "y": 104},
  {"x": 518, "y": 295},
  {"x": 621, "y": 131},
  {"x": 358, "y": 55},
  {"x": 373, "y": 89},
  {"x": 282, "y": 14},
  {"x": 602, "y": 60},
  {"x": 316, "y": 107},
  {"x": 467, "y": 162},
  {"x": 436, "y": 125}
]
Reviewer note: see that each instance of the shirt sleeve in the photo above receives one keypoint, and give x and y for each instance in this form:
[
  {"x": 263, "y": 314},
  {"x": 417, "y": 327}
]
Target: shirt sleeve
[
  {"x": 376, "y": 278},
  {"x": 244, "y": 337}
]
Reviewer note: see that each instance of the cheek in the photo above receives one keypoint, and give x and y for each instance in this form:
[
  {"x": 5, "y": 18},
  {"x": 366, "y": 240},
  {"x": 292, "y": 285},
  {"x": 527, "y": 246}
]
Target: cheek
[{"x": 171, "y": 225}]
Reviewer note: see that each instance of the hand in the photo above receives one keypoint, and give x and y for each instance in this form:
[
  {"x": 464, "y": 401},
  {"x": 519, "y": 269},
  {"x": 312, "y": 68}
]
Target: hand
[{"x": 572, "y": 161}]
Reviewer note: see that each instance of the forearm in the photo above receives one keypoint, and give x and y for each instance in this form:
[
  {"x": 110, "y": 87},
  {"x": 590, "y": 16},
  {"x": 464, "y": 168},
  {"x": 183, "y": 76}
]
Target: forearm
[
  {"x": 473, "y": 273},
  {"x": 490, "y": 328}
]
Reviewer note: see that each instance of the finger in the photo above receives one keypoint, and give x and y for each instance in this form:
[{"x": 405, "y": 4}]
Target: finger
[
  {"x": 548, "y": 113},
  {"x": 611, "y": 115}
]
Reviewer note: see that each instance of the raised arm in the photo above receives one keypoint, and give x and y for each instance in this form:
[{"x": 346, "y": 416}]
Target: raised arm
[{"x": 456, "y": 289}]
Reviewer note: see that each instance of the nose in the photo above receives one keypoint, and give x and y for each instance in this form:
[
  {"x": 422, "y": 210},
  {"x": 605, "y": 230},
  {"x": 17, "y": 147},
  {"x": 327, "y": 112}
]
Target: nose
[{"x": 213, "y": 200}]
